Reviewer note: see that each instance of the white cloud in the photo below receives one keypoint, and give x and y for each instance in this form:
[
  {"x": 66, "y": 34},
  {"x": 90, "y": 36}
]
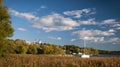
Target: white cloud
[
  {"x": 53, "y": 22},
  {"x": 57, "y": 22},
  {"x": 57, "y": 28},
  {"x": 78, "y": 13},
  {"x": 94, "y": 39},
  {"x": 88, "y": 22},
  {"x": 91, "y": 33},
  {"x": 109, "y": 21},
  {"x": 28, "y": 16},
  {"x": 21, "y": 29},
  {"x": 55, "y": 38},
  {"x": 96, "y": 35},
  {"x": 116, "y": 25},
  {"x": 114, "y": 40},
  {"x": 111, "y": 30}
]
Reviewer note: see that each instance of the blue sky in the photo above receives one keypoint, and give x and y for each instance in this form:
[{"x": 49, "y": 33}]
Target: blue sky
[{"x": 64, "y": 22}]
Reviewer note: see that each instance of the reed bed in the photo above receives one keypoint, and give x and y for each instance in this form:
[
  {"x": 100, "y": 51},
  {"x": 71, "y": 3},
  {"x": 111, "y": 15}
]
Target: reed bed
[{"x": 56, "y": 61}]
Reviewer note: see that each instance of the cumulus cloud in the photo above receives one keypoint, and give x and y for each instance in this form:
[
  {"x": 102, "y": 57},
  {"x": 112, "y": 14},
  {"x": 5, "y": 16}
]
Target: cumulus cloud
[
  {"x": 55, "y": 38},
  {"x": 116, "y": 25},
  {"x": 111, "y": 30},
  {"x": 28, "y": 16},
  {"x": 112, "y": 24},
  {"x": 53, "y": 22},
  {"x": 22, "y": 29},
  {"x": 109, "y": 21},
  {"x": 90, "y": 38},
  {"x": 91, "y": 33},
  {"x": 93, "y": 39},
  {"x": 114, "y": 40},
  {"x": 58, "y": 22},
  {"x": 88, "y": 22},
  {"x": 56, "y": 19},
  {"x": 78, "y": 13},
  {"x": 94, "y": 35}
]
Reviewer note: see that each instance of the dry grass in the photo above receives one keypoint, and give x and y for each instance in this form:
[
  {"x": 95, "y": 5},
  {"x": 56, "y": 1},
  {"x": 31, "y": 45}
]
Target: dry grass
[{"x": 56, "y": 61}]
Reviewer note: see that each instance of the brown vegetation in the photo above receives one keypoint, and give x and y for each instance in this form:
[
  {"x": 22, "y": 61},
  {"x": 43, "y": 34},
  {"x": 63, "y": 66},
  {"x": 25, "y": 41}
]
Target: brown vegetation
[{"x": 56, "y": 61}]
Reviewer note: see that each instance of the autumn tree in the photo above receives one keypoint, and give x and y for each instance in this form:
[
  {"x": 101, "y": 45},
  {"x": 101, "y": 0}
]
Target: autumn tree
[
  {"x": 21, "y": 49},
  {"x": 11, "y": 46},
  {"x": 6, "y": 29},
  {"x": 21, "y": 46},
  {"x": 58, "y": 50},
  {"x": 71, "y": 49},
  {"x": 32, "y": 49},
  {"x": 47, "y": 49}
]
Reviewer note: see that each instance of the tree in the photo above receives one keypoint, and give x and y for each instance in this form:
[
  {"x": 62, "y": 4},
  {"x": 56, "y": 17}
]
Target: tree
[
  {"x": 32, "y": 49},
  {"x": 21, "y": 46},
  {"x": 11, "y": 46},
  {"x": 72, "y": 49},
  {"x": 6, "y": 29},
  {"x": 21, "y": 49},
  {"x": 58, "y": 50},
  {"x": 48, "y": 49}
]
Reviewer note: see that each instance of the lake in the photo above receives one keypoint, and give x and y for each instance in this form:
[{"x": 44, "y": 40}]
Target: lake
[{"x": 105, "y": 55}]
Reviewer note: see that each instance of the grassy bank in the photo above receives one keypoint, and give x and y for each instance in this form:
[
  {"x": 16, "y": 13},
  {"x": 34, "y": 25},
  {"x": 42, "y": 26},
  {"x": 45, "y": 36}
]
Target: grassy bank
[{"x": 56, "y": 61}]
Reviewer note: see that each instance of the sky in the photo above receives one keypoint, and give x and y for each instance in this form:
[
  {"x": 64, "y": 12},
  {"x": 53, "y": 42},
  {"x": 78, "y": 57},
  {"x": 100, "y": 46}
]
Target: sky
[{"x": 63, "y": 22}]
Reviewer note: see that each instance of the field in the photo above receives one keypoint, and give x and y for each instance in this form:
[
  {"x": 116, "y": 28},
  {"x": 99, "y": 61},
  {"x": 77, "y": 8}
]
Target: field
[{"x": 56, "y": 61}]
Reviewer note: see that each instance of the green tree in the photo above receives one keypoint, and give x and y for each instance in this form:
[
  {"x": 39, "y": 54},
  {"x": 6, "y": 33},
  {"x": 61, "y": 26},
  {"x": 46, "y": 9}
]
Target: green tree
[
  {"x": 71, "y": 49},
  {"x": 91, "y": 51},
  {"x": 6, "y": 29},
  {"x": 58, "y": 50},
  {"x": 11, "y": 46},
  {"x": 21, "y": 49},
  {"x": 32, "y": 49},
  {"x": 48, "y": 49},
  {"x": 21, "y": 46}
]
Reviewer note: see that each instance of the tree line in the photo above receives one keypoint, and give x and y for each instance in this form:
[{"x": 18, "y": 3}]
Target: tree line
[
  {"x": 22, "y": 47},
  {"x": 19, "y": 46}
]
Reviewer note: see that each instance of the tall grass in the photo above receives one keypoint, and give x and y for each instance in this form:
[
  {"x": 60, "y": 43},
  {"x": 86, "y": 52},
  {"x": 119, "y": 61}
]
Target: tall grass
[{"x": 56, "y": 61}]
